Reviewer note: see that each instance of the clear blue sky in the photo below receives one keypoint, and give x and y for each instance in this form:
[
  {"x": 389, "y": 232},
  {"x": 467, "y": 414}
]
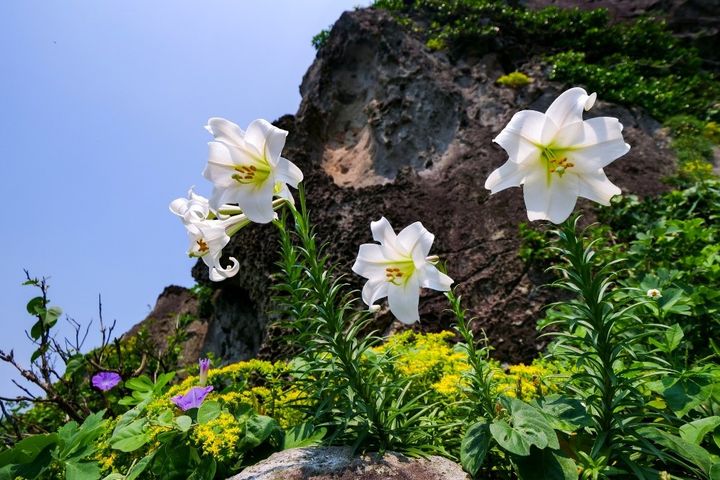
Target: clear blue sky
[{"x": 102, "y": 108}]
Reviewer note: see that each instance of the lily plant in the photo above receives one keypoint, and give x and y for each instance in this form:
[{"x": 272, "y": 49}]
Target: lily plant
[
  {"x": 208, "y": 235},
  {"x": 557, "y": 156},
  {"x": 246, "y": 168},
  {"x": 399, "y": 267}
]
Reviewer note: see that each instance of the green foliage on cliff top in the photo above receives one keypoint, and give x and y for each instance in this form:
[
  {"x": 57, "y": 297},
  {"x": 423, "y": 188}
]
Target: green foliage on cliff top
[{"x": 634, "y": 63}]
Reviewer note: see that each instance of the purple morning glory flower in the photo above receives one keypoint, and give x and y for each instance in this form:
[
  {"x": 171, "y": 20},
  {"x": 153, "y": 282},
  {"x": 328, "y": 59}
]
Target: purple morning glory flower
[
  {"x": 193, "y": 398},
  {"x": 106, "y": 380}
]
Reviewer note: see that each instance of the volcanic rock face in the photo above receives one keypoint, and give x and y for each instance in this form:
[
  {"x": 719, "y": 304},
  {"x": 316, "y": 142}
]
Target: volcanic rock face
[
  {"x": 389, "y": 128},
  {"x": 173, "y": 303},
  {"x": 338, "y": 463}
]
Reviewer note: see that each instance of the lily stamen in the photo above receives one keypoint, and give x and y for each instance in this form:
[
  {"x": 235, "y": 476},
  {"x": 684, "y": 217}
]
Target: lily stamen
[{"x": 202, "y": 246}]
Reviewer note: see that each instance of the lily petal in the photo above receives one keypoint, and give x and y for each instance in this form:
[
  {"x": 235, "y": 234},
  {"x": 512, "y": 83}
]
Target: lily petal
[
  {"x": 218, "y": 273},
  {"x": 371, "y": 261},
  {"x": 404, "y": 300},
  {"x": 219, "y": 169},
  {"x": 522, "y": 135},
  {"x": 552, "y": 199},
  {"x": 569, "y": 106},
  {"x": 256, "y": 202},
  {"x": 374, "y": 290},
  {"x": 602, "y": 142},
  {"x": 225, "y": 131},
  {"x": 287, "y": 172},
  {"x": 595, "y": 186},
  {"x": 284, "y": 192},
  {"x": 267, "y": 139},
  {"x": 417, "y": 240},
  {"x": 510, "y": 174},
  {"x": 435, "y": 279}
]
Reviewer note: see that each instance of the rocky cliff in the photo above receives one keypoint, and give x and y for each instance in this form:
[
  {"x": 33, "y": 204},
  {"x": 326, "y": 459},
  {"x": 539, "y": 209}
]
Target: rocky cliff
[{"x": 388, "y": 127}]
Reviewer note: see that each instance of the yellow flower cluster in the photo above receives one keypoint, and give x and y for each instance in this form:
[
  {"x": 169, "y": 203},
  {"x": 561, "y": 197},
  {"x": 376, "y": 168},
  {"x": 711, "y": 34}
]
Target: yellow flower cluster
[
  {"x": 525, "y": 381},
  {"x": 434, "y": 363},
  {"x": 697, "y": 169},
  {"x": 219, "y": 437},
  {"x": 272, "y": 397},
  {"x": 107, "y": 461},
  {"x": 449, "y": 385},
  {"x": 424, "y": 355}
]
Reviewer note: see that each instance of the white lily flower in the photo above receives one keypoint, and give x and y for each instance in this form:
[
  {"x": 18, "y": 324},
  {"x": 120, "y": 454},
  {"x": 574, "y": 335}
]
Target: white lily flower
[
  {"x": 558, "y": 157},
  {"x": 193, "y": 209},
  {"x": 207, "y": 240},
  {"x": 246, "y": 167},
  {"x": 398, "y": 267}
]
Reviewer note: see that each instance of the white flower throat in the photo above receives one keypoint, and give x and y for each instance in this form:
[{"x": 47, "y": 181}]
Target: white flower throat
[
  {"x": 399, "y": 273},
  {"x": 555, "y": 161},
  {"x": 248, "y": 174}
]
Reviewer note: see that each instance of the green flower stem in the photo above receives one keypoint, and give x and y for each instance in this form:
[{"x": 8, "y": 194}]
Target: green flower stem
[
  {"x": 481, "y": 376},
  {"x": 597, "y": 349},
  {"x": 322, "y": 330}
]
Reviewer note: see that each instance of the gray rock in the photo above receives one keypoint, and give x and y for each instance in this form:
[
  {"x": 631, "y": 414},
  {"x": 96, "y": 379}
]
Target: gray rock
[{"x": 338, "y": 463}]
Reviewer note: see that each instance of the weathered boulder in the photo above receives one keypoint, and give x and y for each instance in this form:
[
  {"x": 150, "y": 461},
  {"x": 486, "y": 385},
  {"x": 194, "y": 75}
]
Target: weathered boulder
[
  {"x": 390, "y": 128},
  {"x": 338, "y": 463}
]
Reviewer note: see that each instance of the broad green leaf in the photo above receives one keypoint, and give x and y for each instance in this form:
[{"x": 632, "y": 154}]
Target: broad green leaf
[
  {"x": 172, "y": 461},
  {"x": 209, "y": 410},
  {"x": 685, "y": 394},
  {"x": 303, "y": 435},
  {"x": 130, "y": 437},
  {"x": 141, "y": 384},
  {"x": 553, "y": 465},
  {"x": 527, "y": 427},
  {"x": 35, "y": 306},
  {"x": 37, "y": 330},
  {"x": 27, "y": 449},
  {"x": 139, "y": 467},
  {"x": 74, "y": 364},
  {"x": 50, "y": 317},
  {"x": 715, "y": 471},
  {"x": 257, "y": 429},
  {"x": 114, "y": 476},
  {"x": 165, "y": 418},
  {"x": 77, "y": 442},
  {"x": 31, "y": 469},
  {"x": 565, "y": 414},
  {"x": 82, "y": 471},
  {"x": 669, "y": 301},
  {"x": 163, "y": 380},
  {"x": 694, "y": 453},
  {"x": 673, "y": 337},
  {"x": 474, "y": 447},
  {"x": 205, "y": 470},
  {"x": 694, "y": 432},
  {"x": 183, "y": 422}
]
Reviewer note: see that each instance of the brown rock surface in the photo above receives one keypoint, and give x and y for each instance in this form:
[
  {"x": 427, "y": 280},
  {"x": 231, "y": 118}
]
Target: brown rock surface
[
  {"x": 338, "y": 463},
  {"x": 388, "y": 128},
  {"x": 171, "y": 304}
]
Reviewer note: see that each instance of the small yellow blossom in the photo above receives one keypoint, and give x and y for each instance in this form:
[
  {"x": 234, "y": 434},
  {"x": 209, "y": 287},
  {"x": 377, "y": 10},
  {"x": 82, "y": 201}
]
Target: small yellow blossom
[{"x": 219, "y": 437}]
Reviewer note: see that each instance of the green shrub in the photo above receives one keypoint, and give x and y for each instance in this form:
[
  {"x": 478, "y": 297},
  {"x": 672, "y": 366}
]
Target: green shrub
[{"x": 514, "y": 80}]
